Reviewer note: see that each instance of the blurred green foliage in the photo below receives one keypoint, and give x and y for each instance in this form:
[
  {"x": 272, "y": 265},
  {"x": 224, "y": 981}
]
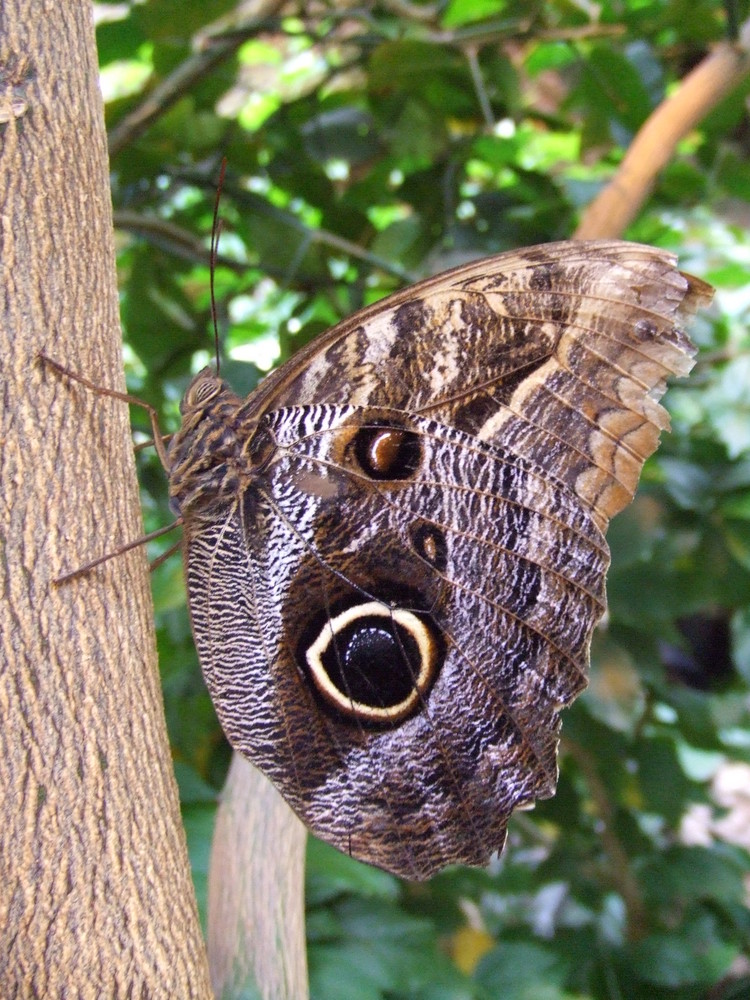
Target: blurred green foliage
[{"x": 368, "y": 146}]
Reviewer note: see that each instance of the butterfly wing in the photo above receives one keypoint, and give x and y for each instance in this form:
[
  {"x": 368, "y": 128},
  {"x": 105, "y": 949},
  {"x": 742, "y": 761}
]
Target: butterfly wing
[
  {"x": 395, "y": 653},
  {"x": 560, "y": 352},
  {"x": 395, "y": 556}
]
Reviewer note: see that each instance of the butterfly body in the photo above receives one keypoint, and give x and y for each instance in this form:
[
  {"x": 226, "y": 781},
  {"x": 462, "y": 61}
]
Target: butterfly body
[{"x": 395, "y": 549}]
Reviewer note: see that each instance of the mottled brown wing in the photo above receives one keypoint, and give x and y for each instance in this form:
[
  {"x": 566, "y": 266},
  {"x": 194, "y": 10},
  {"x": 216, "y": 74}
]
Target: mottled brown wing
[
  {"x": 394, "y": 654},
  {"x": 560, "y": 352},
  {"x": 395, "y": 554}
]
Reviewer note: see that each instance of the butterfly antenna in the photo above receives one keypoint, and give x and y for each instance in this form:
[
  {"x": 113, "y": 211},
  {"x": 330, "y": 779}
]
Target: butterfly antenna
[{"x": 215, "y": 234}]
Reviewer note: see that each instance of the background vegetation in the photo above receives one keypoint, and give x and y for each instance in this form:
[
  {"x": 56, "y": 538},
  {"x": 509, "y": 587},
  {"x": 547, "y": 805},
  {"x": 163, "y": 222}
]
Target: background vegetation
[{"x": 369, "y": 145}]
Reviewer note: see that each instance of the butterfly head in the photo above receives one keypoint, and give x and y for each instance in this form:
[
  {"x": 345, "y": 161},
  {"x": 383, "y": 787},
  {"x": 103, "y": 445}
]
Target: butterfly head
[
  {"x": 206, "y": 454},
  {"x": 204, "y": 388}
]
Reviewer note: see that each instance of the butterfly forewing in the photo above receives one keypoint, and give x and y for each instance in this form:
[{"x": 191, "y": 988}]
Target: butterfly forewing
[{"x": 396, "y": 560}]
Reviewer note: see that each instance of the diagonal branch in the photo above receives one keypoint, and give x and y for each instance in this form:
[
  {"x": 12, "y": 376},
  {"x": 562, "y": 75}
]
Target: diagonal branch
[
  {"x": 187, "y": 74},
  {"x": 618, "y": 863},
  {"x": 701, "y": 90}
]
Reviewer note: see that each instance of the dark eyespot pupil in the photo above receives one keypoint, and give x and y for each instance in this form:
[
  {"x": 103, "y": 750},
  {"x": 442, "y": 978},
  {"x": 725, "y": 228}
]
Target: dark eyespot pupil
[
  {"x": 374, "y": 663},
  {"x": 388, "y": 452},
  {"x": 368, "y": 641}
]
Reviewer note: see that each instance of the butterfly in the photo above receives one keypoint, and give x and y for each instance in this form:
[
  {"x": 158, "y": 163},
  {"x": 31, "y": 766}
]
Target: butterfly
[{"x": 394, "y": 547}]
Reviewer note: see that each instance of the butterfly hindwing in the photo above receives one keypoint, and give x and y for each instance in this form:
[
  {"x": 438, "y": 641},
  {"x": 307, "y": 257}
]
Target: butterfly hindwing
[{"x": 298, "y": 600}]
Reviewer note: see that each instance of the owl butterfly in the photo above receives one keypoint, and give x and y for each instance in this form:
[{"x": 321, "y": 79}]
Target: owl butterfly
[{"x": 395, "y": 551}]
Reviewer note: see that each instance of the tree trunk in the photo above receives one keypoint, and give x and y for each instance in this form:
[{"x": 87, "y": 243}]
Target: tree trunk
[
  {"x": 256, "y": 911},
  {"x": 96, "y": 898}
]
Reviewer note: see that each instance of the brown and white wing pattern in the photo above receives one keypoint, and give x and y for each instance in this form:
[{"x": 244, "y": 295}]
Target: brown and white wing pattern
[
  {"x": 394, "y": 548},
  {"x": 560, "y": 352}
]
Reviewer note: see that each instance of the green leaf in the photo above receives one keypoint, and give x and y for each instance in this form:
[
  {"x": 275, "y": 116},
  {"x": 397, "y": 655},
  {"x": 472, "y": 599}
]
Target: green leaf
[
  {"x": 674, "y": 961},
  {"x": 435, "y": 73},
  {"x": 736, "y": 507},
  {"x": 689, "y": 484},
  {"x": 522, "y": 971},
  {"x": 331, "y": 874},
  {"x": 193, "y": 789},
  {"x": 460, "y": 12},
  {"x": 117, "y": 40},
  {"x": 663, "y": 783},
  {"x": 683, "y": 875}
]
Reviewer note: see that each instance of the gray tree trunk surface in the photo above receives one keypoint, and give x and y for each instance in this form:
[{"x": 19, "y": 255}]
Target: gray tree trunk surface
[
  {"x": 256, "y": 911},
  {"x": 96, "y": 898}
]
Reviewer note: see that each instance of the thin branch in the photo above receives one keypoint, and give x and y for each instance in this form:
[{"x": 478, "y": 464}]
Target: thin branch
[
  {"x": 413, "y": 11},
  {"x": 172, "y": 238},
  {"x": 619, "y": 863},
  {"x": 161, "y": 98},
  {"x": 580, "y": 32},
  {"x": 186, "y": 75},
  {"x": 471, "y": 53},
  {"x": 184, "y": 244},
  {"x": 336, "y": 242},
  {"x": 711, "y": 81},
  {"x": 321, "y": 236}
]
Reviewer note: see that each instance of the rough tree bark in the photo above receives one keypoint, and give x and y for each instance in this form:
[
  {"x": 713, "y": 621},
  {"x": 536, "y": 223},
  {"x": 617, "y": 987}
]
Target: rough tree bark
[{"x": 96, "y": 898}]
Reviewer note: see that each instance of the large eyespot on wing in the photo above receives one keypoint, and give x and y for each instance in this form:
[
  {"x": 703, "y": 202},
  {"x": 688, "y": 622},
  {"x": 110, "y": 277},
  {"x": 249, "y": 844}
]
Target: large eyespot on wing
[{"x": 373, "y": 664}]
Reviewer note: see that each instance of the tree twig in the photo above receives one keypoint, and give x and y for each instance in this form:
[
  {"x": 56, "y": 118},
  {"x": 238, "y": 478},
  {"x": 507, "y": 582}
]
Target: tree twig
[
  {"x": 321, "y": 236},
  {"x": 619, "y": 871},
  {"x": 413, "y": 11},
  {"x": 712, "y": 80},
  {"x": 186, "y": 76},
  {"x": 172, "y": 238},
  {"x": 472, "y": 57}
]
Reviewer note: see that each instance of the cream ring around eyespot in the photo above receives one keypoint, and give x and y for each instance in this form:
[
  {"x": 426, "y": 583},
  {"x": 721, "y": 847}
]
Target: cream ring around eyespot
[{"x": 426, "y": 646}]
